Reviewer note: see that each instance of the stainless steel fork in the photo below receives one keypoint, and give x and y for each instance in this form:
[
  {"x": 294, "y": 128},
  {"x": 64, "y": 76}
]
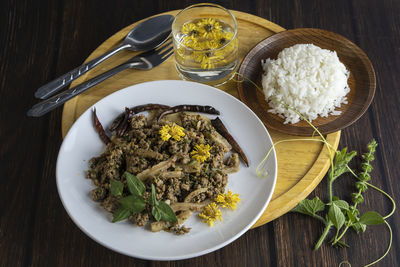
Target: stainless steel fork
[{"x": 144, "y": 61}]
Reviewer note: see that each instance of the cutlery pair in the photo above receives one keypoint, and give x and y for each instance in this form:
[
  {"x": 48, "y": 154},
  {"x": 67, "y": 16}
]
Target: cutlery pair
[{"x": 143, "y": 61}]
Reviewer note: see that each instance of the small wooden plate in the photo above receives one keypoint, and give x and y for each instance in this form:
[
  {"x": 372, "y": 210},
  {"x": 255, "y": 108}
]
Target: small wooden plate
[{"x": 361, "y": 81}]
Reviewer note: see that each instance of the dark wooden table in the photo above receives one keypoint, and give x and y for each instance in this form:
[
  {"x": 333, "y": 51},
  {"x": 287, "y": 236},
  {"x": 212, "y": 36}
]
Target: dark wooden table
[{"x": 40, "y": 40}]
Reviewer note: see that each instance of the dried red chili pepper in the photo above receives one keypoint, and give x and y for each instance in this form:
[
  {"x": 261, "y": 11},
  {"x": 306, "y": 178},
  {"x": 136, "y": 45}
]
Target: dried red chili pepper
[
  {"x": 99, "y": 128},
  {"x": 220, "y": 127}
]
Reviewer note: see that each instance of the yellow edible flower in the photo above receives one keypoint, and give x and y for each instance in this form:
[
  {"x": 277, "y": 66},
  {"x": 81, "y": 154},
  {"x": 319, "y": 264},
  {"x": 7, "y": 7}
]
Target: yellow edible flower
[
  {"x": 189, "y": 29},
  {"x": 174, "y": 131},
  {"x": 201, "y": 152},
  {"x": 206, "y": 36},
  {"x": 228, "y": 200},
  {"x": 211, "y": 213},
  {"x": 164, "y": 132},
  {"x": 209, "y": 28}
]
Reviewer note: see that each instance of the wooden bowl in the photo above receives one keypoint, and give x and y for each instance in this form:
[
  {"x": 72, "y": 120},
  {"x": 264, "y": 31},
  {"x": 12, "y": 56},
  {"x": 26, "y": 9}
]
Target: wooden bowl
[{"x": 362, "y": 81}]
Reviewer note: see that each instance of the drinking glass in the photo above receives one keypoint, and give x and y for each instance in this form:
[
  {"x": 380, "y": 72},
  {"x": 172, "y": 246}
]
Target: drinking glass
[{"x": 205, "y": 44}]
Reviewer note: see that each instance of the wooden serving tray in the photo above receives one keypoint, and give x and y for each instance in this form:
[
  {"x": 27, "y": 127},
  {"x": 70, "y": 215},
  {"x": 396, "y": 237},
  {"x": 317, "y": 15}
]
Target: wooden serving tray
[{"x": 301, "y": 165}]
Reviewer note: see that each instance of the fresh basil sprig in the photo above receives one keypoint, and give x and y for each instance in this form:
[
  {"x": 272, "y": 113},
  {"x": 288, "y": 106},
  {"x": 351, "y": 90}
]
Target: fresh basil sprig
[
  {"x": 135, "y": 203},
  {"x": 341, "y": 214},
  {"x": 130, "y": 204}
]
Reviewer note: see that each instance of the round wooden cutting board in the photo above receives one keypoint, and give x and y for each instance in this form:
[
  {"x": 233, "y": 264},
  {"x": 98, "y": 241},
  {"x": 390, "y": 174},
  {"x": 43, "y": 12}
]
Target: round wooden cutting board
[{"x": 301, "y": 165}]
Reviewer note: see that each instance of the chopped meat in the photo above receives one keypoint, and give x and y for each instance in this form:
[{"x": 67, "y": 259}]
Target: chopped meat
[
  {"x": 140, "y": 219},
  {"x": 180, "y": 230},
  {"x": 180, "y": 180},
  {"x": 98, "y": 193}
]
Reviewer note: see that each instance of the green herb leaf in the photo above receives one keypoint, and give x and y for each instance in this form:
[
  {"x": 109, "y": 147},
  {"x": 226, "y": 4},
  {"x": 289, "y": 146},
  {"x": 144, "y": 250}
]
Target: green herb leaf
[
  {"x": 357, "y": 197},
  {"x": 343, "y": 205},
  {"x": 156, "y": 213},
  {"x": 163, "y": 212},
  {"x": 342, "y": 159},
  {"x": 359, "y": 227},
  {"x": 121, "y": 214},
  {"x": 371, "y": 218},
  {"x": 309, "y": 207},
  {"x": 336, "y": 216},
  {"x": 133, "y": 203},
  {"x": 135, "y": 186},
  {"x": 116, "y": 187},
  {"x": 153, "y": 199},
  {"x": 351, "y": 217}
]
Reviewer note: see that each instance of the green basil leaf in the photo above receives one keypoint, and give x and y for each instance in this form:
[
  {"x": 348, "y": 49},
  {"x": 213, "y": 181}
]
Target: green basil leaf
[
  {"x": 359, "y": 227},
  {"x": 121, "y": 214},
  {"x": 300, "y": 209},
  {"x": 357, "y": 197},
  {"x": 153, "y": 199},
  {"x": 133, "y": 203},
  {"x": 351, "y": 217},
  {"x": 167, "y": 214},
  {"x": 336, "y": 216},
  {"x": 342, "y": 159},
  {"x": 371, "y": 218},
  {"x": 309, "y": 207},
  {"x": 135, "y": 186},
  {"x": 343, "y": 205},
  {"x": 350, "y": 156},
  {"x": 116, "y": 187},
  {"x": 354, "y": 211},
  {"x": 156, "y": 213}
]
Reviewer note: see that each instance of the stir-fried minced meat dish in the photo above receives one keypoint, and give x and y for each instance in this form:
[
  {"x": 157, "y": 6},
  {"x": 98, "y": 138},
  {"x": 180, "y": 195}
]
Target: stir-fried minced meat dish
[{"x": 188, "y": 169}]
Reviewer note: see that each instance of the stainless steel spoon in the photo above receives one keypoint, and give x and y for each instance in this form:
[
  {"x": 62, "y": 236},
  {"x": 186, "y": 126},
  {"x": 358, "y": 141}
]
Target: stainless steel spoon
[{"x": 145, "y": 36}]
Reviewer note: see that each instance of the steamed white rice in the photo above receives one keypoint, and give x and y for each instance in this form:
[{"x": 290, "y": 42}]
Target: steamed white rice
[{"x": 307, "y": 78}]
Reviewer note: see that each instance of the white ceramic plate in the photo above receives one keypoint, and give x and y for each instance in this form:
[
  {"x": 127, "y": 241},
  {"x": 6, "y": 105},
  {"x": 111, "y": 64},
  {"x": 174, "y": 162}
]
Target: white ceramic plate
[{"x": 82, "y": 143}]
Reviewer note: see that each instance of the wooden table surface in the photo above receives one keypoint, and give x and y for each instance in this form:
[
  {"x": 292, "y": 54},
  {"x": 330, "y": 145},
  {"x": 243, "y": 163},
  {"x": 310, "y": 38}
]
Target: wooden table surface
[{"x": 40, "y": 40}]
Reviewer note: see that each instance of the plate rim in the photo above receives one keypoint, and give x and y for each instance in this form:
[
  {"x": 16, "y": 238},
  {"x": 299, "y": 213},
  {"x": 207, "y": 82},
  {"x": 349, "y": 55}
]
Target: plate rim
[
  {"x": 305, "y": 132},
  {"x": 186, "y": 256}
]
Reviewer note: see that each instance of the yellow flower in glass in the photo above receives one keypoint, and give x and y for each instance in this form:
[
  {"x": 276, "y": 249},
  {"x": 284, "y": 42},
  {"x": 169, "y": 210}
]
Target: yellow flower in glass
[
  {"x": 228, "y": 200},
  {"x": 207, "y": 37},
  {"x": 211, "y": 213},
  {"x": 209, "y": 28},
  {"x": 190, "y": 29},
  {"x": 191, "y": 32},
  {"x": 201, "y": 152},
  {"x": 174, "y": 131},
  {"x": 206, "y": 61}
]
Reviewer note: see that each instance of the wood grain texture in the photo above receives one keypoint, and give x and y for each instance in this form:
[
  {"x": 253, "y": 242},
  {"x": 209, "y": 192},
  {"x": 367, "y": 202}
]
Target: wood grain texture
[
  {"x": 294, "y": 183},
  {"x": 361, "y": 81},
  {"x": 40, "y": 40}
]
